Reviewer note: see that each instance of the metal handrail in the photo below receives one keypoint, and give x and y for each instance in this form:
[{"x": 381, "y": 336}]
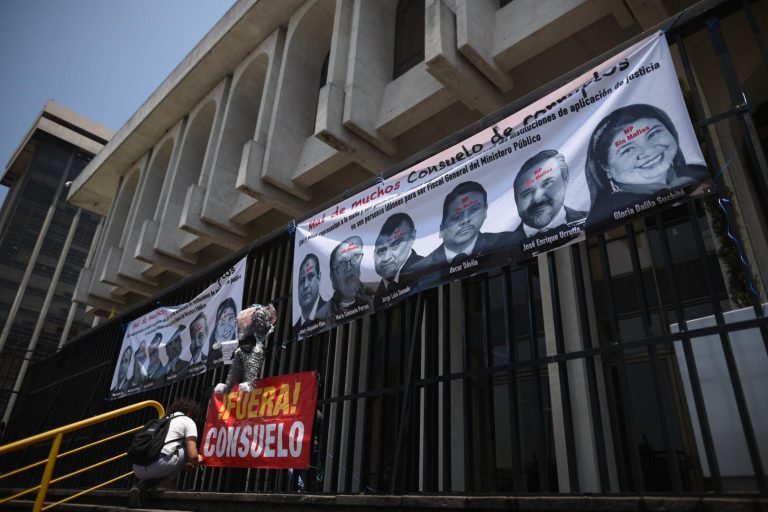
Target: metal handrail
[{"x": 57, "y": 435}]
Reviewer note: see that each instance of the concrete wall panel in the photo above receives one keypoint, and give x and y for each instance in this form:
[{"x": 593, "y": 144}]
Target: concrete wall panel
[
  {"x": 474, "y": 39},
  {"x": 146, "y": 201},
  {"x": 308, "y": 41},
  {"x": 447, "y": 65},
  {"x": 193, "y": 164}
]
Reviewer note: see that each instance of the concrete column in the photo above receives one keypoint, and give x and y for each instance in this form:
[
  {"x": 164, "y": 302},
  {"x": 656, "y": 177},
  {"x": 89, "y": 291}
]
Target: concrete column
[{"x": 583, "y": 424}]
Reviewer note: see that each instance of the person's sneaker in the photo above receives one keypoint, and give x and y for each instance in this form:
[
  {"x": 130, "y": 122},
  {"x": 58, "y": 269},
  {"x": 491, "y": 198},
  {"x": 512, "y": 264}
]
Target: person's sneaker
[{"x": 134, "y": 497}]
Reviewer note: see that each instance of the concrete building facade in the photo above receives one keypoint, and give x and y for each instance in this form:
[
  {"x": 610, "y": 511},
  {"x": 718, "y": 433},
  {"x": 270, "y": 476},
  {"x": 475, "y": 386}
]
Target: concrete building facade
[{"x": 286, "y": 104}]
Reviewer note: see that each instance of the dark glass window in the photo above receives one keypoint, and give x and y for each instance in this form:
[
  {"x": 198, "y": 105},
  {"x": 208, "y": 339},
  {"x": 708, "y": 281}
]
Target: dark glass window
[{"x": 409, "y": 35}]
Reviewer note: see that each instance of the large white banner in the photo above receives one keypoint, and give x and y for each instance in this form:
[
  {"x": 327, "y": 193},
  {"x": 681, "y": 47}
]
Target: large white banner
[
  {"x": 615, "y": 143},
  {"x": 172, "y": 343}
]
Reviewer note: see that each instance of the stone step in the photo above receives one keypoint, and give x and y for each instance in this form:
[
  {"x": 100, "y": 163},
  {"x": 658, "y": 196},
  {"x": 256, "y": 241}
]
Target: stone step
[
  {"x": 86, "y": 507},
  {"x": 191, "y": 501}
]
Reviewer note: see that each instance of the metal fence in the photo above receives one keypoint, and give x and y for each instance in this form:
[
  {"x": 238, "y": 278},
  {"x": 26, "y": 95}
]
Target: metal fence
[{"x": 627, "y": 363}]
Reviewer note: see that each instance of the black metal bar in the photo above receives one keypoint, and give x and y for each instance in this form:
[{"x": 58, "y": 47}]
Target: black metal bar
[
  {"x": 713, "y": 158},
  {"x": 352, "y": 404},
  {"x": 745, "y": 121},
  {"x": 733, "y": 371},
  {"x": 690, "y": 361},
  {"x": 258, "y": 274},
  {"x": 280, "y": 275},
  {"x": 431, "y": 393},
  {"x": 365, "y": 430},
  {"x": 406, "y": 309},
  {"x": 487, "y": 363},
  {"x": 751, "y": 138},
  {"x": 386, "y": 341},
  {"x": 637, "y": 274},
  {"x": 466, "y": 410},
  {"x": 337, "y": 380},
  {"x": 406, "y": 394},
  {"x": 514, "y": 409},
  {"x": 759, "y": 40},
  {"x": 446, "y": 386},
  {"x": 636, "y": 472},
  {"x": 714, "y": 119},
  {"x": 327, "y": 385}
]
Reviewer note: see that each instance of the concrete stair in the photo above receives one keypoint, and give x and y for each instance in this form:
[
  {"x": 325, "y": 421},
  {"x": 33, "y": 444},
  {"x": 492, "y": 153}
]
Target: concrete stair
[{"x": 189, "y": 501}]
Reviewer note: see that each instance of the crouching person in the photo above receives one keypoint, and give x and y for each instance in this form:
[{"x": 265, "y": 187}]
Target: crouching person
[{"x": 178, "y": 452}]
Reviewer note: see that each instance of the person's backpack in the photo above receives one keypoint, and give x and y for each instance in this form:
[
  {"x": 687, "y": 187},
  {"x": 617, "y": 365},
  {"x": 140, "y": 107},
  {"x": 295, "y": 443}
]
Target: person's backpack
[{"x": 147, "y": 442}]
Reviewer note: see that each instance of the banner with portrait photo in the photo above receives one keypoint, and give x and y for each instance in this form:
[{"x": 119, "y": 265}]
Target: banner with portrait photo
[
  {"x": 614, "y": 143},
  {"x": 172, "y": 343}
]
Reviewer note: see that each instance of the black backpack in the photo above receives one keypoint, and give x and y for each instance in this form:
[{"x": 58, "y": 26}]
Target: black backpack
[{"x": 147, "y": 442}]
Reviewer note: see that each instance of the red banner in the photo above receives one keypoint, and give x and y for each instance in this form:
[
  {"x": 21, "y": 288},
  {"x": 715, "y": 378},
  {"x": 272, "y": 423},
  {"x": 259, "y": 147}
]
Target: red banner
[{"x": 270, "y": 427}]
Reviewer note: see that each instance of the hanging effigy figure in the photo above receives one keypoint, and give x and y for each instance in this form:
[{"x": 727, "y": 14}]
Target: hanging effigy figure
[{"x": 254, "y": 324}]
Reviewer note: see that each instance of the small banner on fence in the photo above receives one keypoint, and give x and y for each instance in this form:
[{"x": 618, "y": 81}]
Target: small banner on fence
[
  {"x": 270, "y": 427},
  {"x": 611, "y": 145},
  {"x": 172, "y": 343}
]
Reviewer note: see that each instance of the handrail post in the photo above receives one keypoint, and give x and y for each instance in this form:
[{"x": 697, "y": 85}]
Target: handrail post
[{"x": 47, "y": 473}]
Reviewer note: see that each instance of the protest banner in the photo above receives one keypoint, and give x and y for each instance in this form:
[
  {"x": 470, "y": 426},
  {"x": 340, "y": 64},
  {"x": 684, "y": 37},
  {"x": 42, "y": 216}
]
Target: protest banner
[
  {"x": 171, "y": 343},
  {"x": 614, "y": 143},
  {"x": 270, "y": 427}
]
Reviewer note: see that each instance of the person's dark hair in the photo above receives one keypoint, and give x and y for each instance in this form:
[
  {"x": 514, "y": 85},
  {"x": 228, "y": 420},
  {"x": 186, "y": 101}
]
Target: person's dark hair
[
  {"x": 178, "y": 332},
  {"x": 228, "y": 303},
  {"x": 335, "y": 251},
  {"x": 462, "y": 188},
  {"x": 600, "y": 141},
  {"x": 308, "y": 257},
  {"x": 536, "y": 160},
  {"x": 186, "y": 406},
  {"x": 394, "y": 222},
  {"x": 198, "y": 317}
]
